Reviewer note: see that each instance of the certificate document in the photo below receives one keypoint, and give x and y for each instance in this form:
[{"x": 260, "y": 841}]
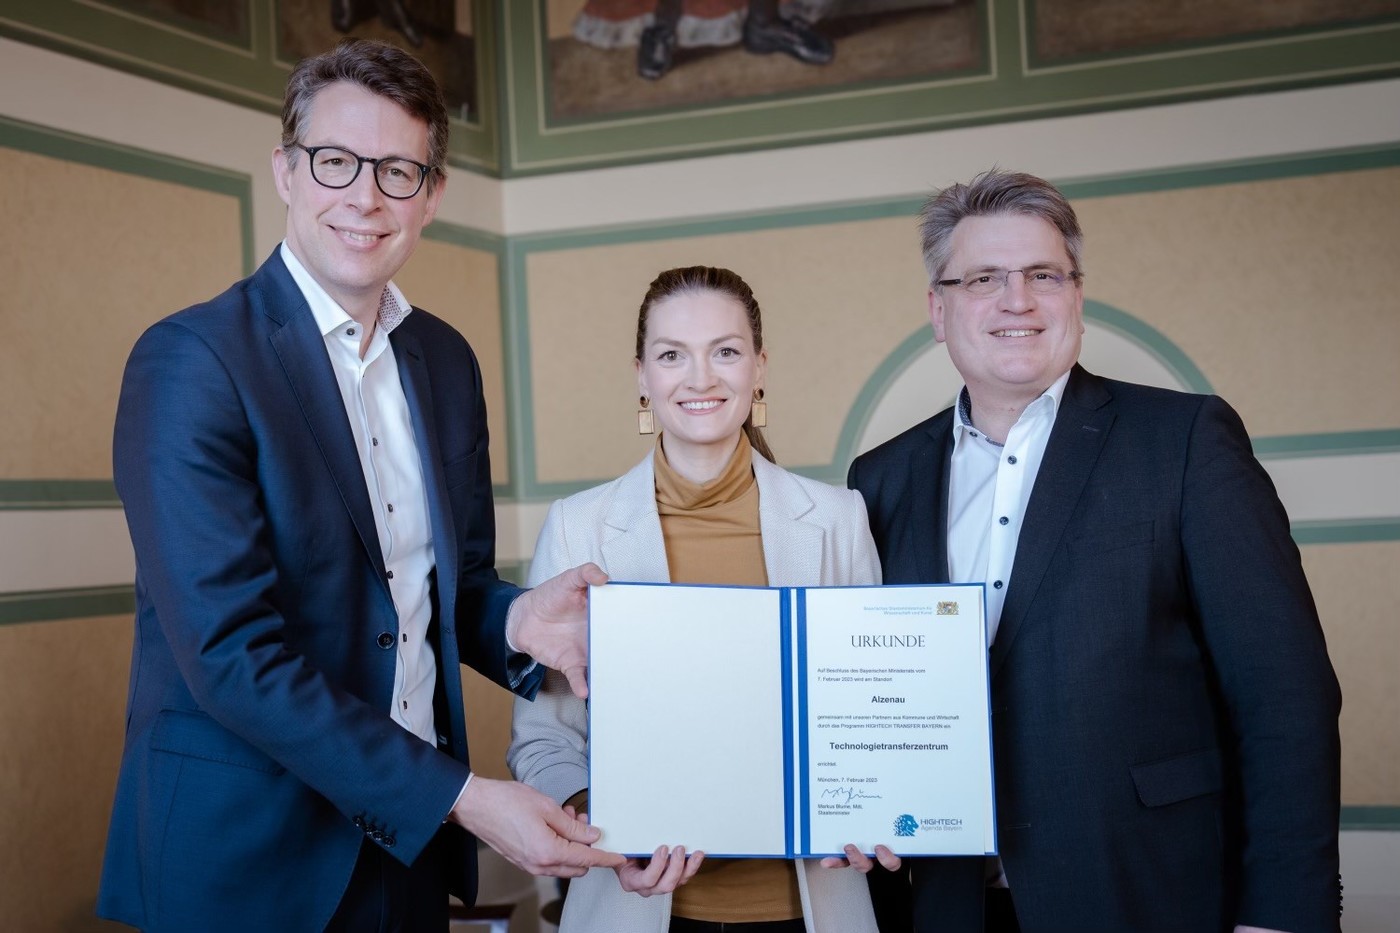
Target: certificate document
[{"x": 788, "y": 722}]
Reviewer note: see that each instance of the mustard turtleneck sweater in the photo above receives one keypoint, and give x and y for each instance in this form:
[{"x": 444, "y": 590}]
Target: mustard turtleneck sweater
[{"x": 712, "y": 535}]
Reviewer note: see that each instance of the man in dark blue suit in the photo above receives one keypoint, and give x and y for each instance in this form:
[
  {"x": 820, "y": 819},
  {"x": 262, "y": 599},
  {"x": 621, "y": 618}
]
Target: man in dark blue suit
[
  {"x": 303, "y": 464},
  {"x": 1164, "y": 712}
]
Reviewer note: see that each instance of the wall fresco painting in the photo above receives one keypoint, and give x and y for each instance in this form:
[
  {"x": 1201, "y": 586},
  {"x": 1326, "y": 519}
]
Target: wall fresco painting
[
  {"x": 215, "y": 19},
  {"x": 616, "y": 56},
  {"x": 438, "y": 32},
  {"x": 1077, "y": 29}
]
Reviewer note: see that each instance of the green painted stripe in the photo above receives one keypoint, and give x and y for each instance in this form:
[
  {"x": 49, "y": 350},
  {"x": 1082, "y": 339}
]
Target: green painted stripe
[
  {"x": 45, "y": 495},
  {"x": 477, "y": 140},
  {"x": 54, "y": 605},
  {"x": 1172, "y": 357},
  {"x": 1197, "y": 176},
  {"x": 182, "y": 25},
  {"x": 518, "y": 430},
  {"x": 997, "y": 91},
  {"x": 519, "y": 384},
  {"x": 833, "y": 474},
  {"x": 1371, "y": 818},
  {"x": 1033, "y": 63},
  {"x": 471, "y": 238},
  {"x": 916, "y": 344},
  {"x": 26, "y": 494},
  {"x": 32, "y": 495},
  {"x": 452, "y": 234},
  {"x": 1138, "y": 331},
  {"x": 149, "y": 48},
  {"x": 521, "y": 137},
  {"x": 1237, "y": 171},
  {"x": 252, "y": 73},
  {"x": 720, "y": 225},
  {"x": 905, "y": 353},
  {"x": 1346, "y": 531},
  {"x": 1338, "y": 443}
]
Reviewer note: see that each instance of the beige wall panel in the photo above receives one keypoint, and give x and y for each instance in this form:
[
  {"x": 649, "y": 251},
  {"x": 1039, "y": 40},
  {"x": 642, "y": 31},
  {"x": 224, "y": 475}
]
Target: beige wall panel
[
  {"x": 462, "y": 286},
  {"x": 62, "y": 702},
  {"x": 1357, "y": 589},
  {"x": 1280, "y": 291},
  {"x": 89, "y": 258},
  {"x": 1245, "y": 279},
  {"x": 836, "y": 300},
  {"x": 488, "y": 724}
]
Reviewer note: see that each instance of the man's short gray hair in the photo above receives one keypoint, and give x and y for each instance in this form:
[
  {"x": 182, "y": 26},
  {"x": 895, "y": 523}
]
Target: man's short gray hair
[{"x": 992, "y": 193}]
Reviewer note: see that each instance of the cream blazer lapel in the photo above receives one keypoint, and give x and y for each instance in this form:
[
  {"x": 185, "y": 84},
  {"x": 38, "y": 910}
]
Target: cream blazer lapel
[
  {"x": 634, "y": 550},
  {"x": 792, "y": 548},
  {"x": 632, "y": 546}
]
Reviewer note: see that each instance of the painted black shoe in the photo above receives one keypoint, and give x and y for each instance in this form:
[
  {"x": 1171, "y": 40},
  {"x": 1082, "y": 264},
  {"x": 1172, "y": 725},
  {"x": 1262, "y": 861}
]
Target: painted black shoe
[
  {"x": 656, "y": 52},
  {"x": 345, "y": 14},
  {"x": 393, "y": 13},
  {"x": 791, "y": 36}
]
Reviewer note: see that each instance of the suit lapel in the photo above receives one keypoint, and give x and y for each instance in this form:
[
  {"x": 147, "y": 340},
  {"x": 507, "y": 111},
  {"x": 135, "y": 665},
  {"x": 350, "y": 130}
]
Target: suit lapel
[
  {"x": 1081, "y": 428},
  {"x": 791, "y": 546},
  {"x": 928, "y": 480},
  {"x": 302, "y": 352},
  {"x": 632, "y": 533},
  {"x": 417, "y": 390}
]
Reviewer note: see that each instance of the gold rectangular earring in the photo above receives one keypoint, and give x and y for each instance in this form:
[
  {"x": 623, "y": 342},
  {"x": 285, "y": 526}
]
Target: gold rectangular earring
[
  {"x": 646, "y": 418},
  {"x": 758, "y": 410}
]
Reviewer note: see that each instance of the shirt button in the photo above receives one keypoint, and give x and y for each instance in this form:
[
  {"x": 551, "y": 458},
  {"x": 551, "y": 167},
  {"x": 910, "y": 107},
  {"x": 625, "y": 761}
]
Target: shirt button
[
  {"x": 390, "y": 574},
  {"x": 996, "y": 585},
  {"x": 405, "y": 704},
  {"x": 1011, "y": 459},
  {"x": 350, "y": 331},
  {"x": 386, "y": 640},
  {"x": 405, "y": 637},
  {"x": 1003, "y": 520},
  {"x": 375, "y": 441},
  {"x": 391, "y": 506}
]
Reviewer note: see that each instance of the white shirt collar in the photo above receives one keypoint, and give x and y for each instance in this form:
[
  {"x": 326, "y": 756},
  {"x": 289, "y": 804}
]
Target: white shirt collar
[
  {"x": 329, "y": 315},
  {"x": 962, "y": 421}
]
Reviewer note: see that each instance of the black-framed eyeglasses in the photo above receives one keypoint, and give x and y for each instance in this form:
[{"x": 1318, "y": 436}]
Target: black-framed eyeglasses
[
  {"x": 1039, "y": 281},
  {"x": 334, "y": 167}
]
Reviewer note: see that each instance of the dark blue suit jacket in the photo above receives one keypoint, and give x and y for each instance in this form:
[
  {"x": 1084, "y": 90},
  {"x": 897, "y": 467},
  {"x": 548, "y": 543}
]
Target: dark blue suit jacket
[
  {"x": 1164, "y": 710},
  {"x": 259, "y": 749}
]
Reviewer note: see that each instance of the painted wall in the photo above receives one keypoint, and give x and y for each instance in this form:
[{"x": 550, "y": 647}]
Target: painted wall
[{"x": 1243, "y": 245}]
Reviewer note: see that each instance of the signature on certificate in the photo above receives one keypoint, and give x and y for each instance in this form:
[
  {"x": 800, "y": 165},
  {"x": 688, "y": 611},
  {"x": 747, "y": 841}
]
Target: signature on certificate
[{"x": 845, "y": 794}]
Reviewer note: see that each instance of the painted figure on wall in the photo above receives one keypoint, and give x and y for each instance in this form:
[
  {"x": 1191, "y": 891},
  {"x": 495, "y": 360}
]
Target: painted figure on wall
[
  {"x": 346, "y": 14},
  {"x": 717, "y": 50},
  {"x": 758, "y": 24},
  {"x": 217, "y": 19},
  {"x": 439, "y": 32}
]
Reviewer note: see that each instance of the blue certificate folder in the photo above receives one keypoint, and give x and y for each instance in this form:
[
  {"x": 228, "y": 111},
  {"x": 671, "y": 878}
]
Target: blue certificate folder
[{"x": 787, "y": 722}]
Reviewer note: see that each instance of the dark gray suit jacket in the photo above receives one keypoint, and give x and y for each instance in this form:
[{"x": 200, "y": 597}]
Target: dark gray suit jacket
[{"x": 1164, "y": 710}]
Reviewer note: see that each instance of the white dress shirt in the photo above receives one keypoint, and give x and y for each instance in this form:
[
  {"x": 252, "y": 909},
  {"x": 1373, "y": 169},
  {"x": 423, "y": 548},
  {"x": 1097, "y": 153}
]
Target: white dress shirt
[
  {"x": 379, "y": 420},
  {"x": 988, "y": 490}
]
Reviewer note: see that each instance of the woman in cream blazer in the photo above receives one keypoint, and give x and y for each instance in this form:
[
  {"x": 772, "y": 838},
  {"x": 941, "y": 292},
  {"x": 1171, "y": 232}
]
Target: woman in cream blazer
[{"x": 812, "y": 534}]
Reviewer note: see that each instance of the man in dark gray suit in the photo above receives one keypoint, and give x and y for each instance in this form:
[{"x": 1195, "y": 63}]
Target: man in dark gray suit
[{"x": 1164, "y": 710}]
